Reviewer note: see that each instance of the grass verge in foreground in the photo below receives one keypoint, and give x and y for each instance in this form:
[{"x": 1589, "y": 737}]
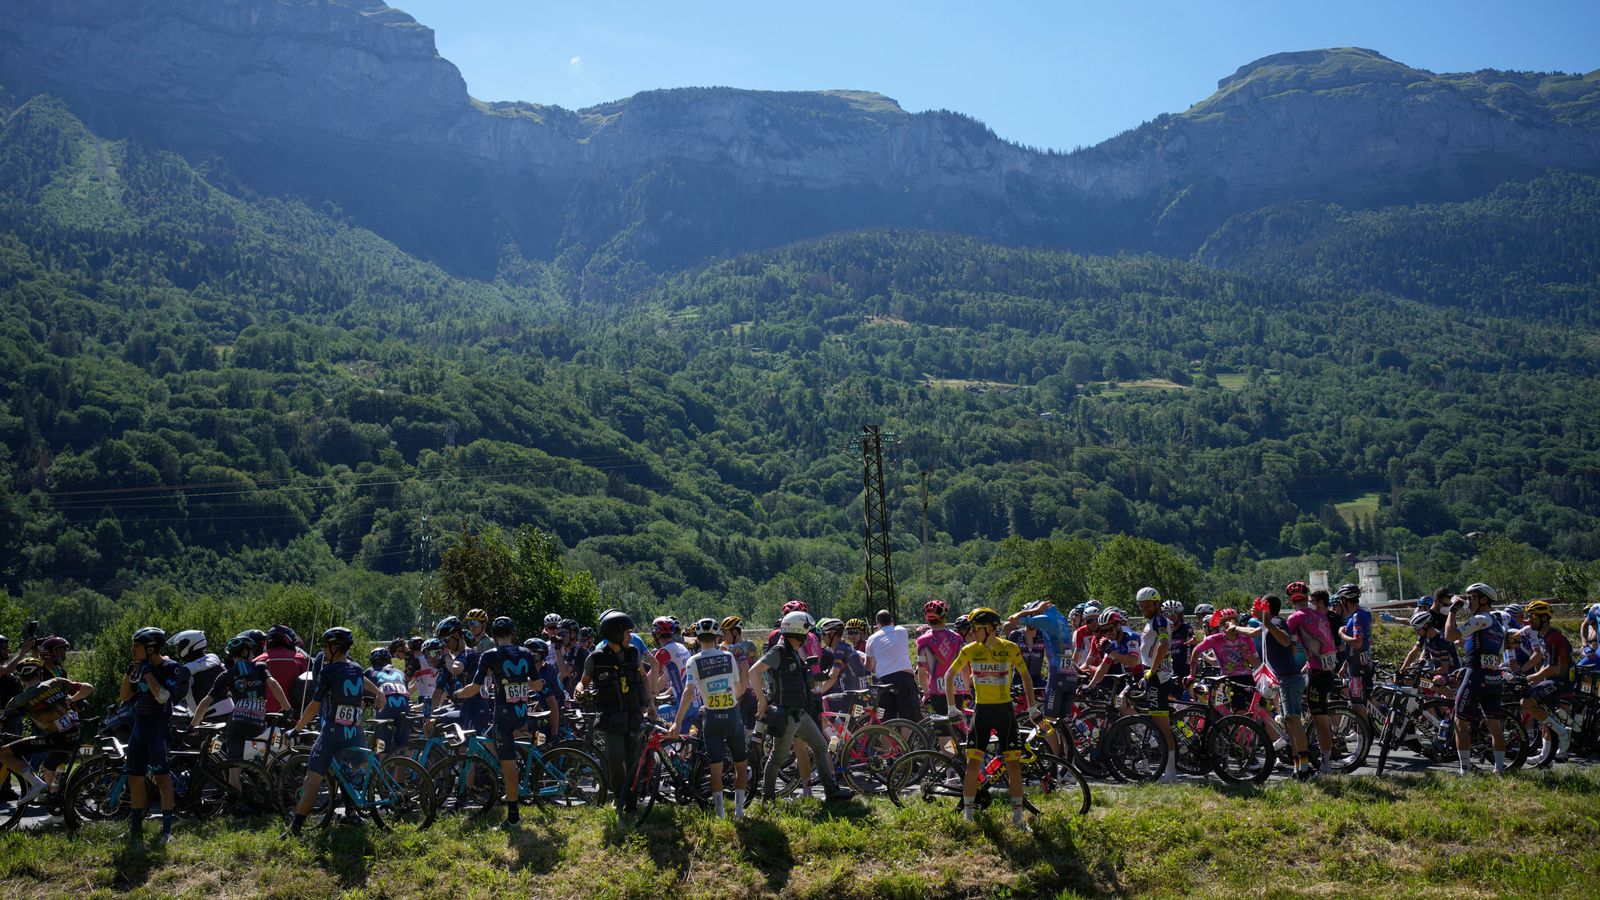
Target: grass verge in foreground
[{"x": 1436, "y": 835}]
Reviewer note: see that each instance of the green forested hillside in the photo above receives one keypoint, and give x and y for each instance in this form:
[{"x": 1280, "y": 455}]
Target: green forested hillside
[{"x": 204, "y": 388}]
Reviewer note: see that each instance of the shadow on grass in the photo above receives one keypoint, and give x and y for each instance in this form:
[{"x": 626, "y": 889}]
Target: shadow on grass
[
  {"x": 765, "y": 845},
  {"x": 133, "y": 862},
  {"x": 538, "y": 842},
  {"x": 1053, "y": 847},
  {"x": 346, "y": 851}
]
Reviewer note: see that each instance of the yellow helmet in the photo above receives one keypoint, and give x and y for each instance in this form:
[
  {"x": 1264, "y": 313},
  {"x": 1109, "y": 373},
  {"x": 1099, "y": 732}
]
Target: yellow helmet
[
  {"x": 478, "y": 615},
  {"x": 1538, "y": 608},
  {"x": 983, "y": 615}
]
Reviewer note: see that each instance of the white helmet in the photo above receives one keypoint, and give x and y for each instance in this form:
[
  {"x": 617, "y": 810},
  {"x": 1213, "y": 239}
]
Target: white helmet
[
  {"x": 1148, "y": 595},
  {"x": 1595, "y": 610},
  {"x": 552, "y": 619},
  {"x": 1203, "y": 610},
  {"x": 796, "y": 623},
  {"x": 1172, "y": 608},
  {"x": 1484, "y": 589},
  {"x": 185, "y": 644},
  {"x": 1421, "y": 619}
]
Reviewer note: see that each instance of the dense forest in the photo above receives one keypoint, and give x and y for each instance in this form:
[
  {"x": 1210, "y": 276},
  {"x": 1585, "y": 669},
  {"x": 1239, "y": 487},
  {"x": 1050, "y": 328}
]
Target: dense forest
[{"x": 208, "y": 392}]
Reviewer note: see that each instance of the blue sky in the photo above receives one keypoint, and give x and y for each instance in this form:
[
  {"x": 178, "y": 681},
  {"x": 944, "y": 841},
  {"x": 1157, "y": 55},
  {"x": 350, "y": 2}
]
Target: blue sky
[{"x": 1046, "y": 74}]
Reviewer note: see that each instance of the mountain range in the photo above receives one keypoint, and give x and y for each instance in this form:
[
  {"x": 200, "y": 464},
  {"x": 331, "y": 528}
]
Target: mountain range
[{"x": 347, "y": 102}]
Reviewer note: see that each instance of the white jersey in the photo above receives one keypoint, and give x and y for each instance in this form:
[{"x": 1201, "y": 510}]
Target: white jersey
[
  {"x": 889, "y": 648},
  {"x": 715, "y": 676},
  {"x": 206, "y": 663}
]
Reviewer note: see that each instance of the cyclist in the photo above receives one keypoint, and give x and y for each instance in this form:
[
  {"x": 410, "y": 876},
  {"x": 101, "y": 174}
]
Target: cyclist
[
  {"x": 475, "y": 637},
  {"x": 1284, "y": 665},
  {"x": 1311, "y": 630},
  {"x": 47, "y": 702},
  {"x": 713, "y": 675},
  {"x": 461, "y": 664},
  {"x": 390, "y": 724},
  {"x": 890, "y": 658},
  {"x": 844, "y": 667},
  {"x": 1182, "y": 642},
  {"x": 1552, "y": 682},
  {"x": 1482, "y": 637},
  {"x": 548, "y": 694},
  {"x": 336, "y": 704},
  {"x": 425, "y": 678},
  {"x": 1061, "y": 681},
  {"x": 1235, "y": 654},
  {"x": 1087, "y": 639},
  {"x": 287, "y": 662},
  {"x": 189, "y": 648},
  {"x": 792, "y": 717},
  {"x": 670, "y": 656},
  {"x": 1160, "y": 687},
  {"x": 552, "y": 627},
  {"x": 153, "y": 684},
  {"x": 1355, "y": 633},
  {"x": 1589, "y": 632},
  {"x": 514, "y": 670},
  {"x": 1432, "y": 648},
  {"x": 1119, "y": 652},
  {"x": 248, "y": 684},
  {"x": 744, "y": 653},
  {"x": 615, "y": 673},
  {"x": 1205, "y": 613},
  {"x": 991, "y": 661},
  {"x": 53, "y": 653},
  {"x": 1032, "y": 644},
  {"x": 936, "y": 650}
]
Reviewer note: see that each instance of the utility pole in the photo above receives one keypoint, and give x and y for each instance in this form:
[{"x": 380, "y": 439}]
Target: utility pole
[
  {"x": 927, "y": 576},
  {"x": 875, "y": 522}
]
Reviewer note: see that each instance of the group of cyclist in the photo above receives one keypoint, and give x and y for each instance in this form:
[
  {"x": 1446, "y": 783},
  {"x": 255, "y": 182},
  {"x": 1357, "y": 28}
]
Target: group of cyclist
[{"x": 981, "y": 665}]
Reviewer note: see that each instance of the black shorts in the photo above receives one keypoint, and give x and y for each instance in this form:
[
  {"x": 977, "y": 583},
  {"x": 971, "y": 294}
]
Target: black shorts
[
  {"x": 1060, "y": 691},
  {"x": 998, "y": 719},
  {"x": 1319, "y": 691},
  {"x": 1159, "y": 695},
  {"x": 238, "y": 733},
  {"x": 722, "y": 735},
  {"x": 57, "y": 748},
  {"x": 1244, "y": 689},
  {"x": 1478, "y": 697},
  {"x": 505, "y": 736},
  {"x": 898, "y": 697}
]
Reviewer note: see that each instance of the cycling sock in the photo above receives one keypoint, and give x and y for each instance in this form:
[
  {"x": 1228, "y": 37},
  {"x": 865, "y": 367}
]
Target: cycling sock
[
  {"x": 738, "y": 802},
  {"x": 166, "y": 821},
  {"x": 298, "y": 823},
  {"x": 137, "y": 814},
  {"x": 513, "y": 811},
  {"x": 1016, "y": 810},
  {"x": 1465, "y": 758},
  {"x": 718, "y": 803},
  {"x": 1499, "y": 762},
  {"x": 1172, "y": 761},
  {"x": 967, "y": 803}
]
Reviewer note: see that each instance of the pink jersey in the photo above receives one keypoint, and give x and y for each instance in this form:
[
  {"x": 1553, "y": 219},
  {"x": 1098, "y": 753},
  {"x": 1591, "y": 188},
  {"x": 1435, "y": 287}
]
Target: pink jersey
[
  {"x": 1236, "y": 655},
  {"x": 1310, "y": 627},
  {"x": 937, "y": 650}
]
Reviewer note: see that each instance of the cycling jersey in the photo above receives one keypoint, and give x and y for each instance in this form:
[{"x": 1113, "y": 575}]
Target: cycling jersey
[
  {"x": 245, "y": 683},
  {"x": 1441, "y": 654},
  {"x": 1482, "y": 639},
  {"x": 1558, "y": 653},
  {"x": 1156, "y": 630},
  {"x": 1236, "y": 654},
  {"x": 48, "y": 705},
  {"x": 937, "y": 650},
  {"x": 1123, "y": 642},
  {"x": 1310, "y": 628},
  {"x": 1033, "y": 652},
  {"x": 714, "y": 674},
  {"x": 671, "y": 658},
  {"x": 286, "y": 664},
  {"x": 173, "y": 678},
  {"x": 391, "y": 683},
  {"x": 1182, "y": 646},
  {"x": 339, "y": 687},
  {"x": 853, "y": 671},
  {"x": 1060, "y": 641},
  {"x": 202, "y": 673},
  {"x": 1360, "y": 624},
  {"x": 1087, "y": 642},
  {"x": 513, "y": 670},
  {"x": 991, "y": 667}
]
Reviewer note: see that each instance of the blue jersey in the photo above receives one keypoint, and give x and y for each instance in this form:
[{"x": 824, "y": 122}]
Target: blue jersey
[
  {"x": 1360, "y": 625},
  {"x": 1182, "y": 643},
  {"x": 1483, "y": 637},
  {"x": 514, "y": 671},
  {"x": 549, "y": 686},
  {"x": 339, "y": 689},
  {"x": 173, "y": 677},
  {"x": 391, "y": 683},
  {"x": 1058, "y": 649},
  {"x": 471, "y": 706}
]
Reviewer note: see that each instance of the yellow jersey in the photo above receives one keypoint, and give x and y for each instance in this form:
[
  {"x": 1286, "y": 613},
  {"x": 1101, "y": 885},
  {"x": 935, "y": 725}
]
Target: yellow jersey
[{"x": 991, "y": 669}]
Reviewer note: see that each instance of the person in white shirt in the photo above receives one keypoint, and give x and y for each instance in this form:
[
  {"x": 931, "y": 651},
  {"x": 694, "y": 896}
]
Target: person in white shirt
[{"x": 890, "y": 659}]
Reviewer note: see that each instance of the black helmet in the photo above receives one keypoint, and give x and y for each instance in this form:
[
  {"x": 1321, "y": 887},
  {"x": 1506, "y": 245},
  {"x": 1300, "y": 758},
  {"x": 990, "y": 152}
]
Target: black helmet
[
  {"x": 568, "y": 625},
  {"x": 613, "y": 623},
  {"x": 447, "y": 626},
  {"x": 538, "y": 646},
  {"x": 257, "y": 635},
  {"x": 380, "y": 657},
  {"x": 432, "y": 645},
  {"x": 152, "y": 638},
  {"x": 282, "y": 636},
  {"x": 502, "y": 626},
  {"x": 338, "y": 638},
  {"x": 244, "y": 643}
]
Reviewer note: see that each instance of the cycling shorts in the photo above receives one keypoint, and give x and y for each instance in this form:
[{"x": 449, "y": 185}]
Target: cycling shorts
[
  {"x": 722, "y": 734},
  {"x": 1549, "y": 692},
  {"x": 395, "y": 733},
  {"x": 57, "y": 748},
  {"x": 1159, "y": 695},
  {"x": 237, "y": 734},
  {"x": 998, "y": 719},
  {"x": 505, "y": 735},
  {"x": 1320, "y": 689},
  {"x": 1060, "y": 691},
  {"x": 148, "y": 747},
  {"x": 329, "y": 742},
  {"x": 1478, "y": 697},
  {"x": 1360, "y": 684}
]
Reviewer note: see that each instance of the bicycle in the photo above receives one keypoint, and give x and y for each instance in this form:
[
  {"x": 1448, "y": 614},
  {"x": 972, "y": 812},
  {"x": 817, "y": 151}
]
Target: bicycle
[
  {"x": 468, "y": 782},
  {"x": 932, "y": 776},
  {"x": 391, "y": 790},
  {"x": 669, "y": 766}
]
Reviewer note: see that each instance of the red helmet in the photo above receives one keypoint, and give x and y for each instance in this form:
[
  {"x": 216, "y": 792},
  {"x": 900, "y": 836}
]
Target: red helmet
[
  {"x": 795, "y": 606},
  {"x": 934, "y": 610},
  {"x": 663, "y": 627},
  {"x": 1297, "y": 588},
  {"x": 1219, "y": 615}
]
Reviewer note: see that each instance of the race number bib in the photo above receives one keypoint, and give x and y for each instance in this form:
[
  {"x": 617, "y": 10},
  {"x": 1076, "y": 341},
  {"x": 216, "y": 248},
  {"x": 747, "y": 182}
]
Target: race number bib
[
  {"x": 1330, "y": 661},
  {"x": 392, "y": 689},
  {"x": 346, "y": 715},
  {"x": 250, "y": 707},
  {"x": 518, "y": 692},
  {"x": 68, "y": 721}
]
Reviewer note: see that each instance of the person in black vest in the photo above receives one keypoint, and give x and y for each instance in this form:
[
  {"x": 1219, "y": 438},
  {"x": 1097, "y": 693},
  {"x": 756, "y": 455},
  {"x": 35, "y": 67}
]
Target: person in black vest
[
  {"x": 792, "y": 707},
  {"x": 616, "y": 677}
]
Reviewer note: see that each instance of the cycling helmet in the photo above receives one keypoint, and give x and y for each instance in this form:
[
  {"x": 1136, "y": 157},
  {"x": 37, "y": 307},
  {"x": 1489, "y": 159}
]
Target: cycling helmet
[
  {"x": 663, "y": 627},
  {"x": 242, "y": 643},
  {"x": 1201, "y": 610},
  {"x": 380, "y": 657},
  {"x": 1515, "y": 611},
  {"x": 447, "y": 626},
  {"x": 585, "y": 631},
  {"x": 1483, "y": 589},
  {"x": 432, "y": 645},
  {"x": 53, "y": 643},
  {"x": 1422, "y": 619},
  {"x": 962, "y": 624},
  {"x": 257, "y": 635},
  {"x": 1112, "y": 616},
  {"x": 1147, "y": 595},
  {"x": 1172, "y": 608},
  {"x": 186, "y": 644},
  {"x": 856, "y": 625},
  {"x": 798, "y": 622},
  {"x": 983, "y": 615},
  {"x": 1539, "y": 608},
  {"x": 31, "y": 668},
  {"x": 552, "y": 619},
  {"x": 502, "y": 626},
  {"x": 339, "y": 638},
  {"x": 707, "y": 626},
  {"x": 152, "y": 638},
  {"x": 827, "y": 625},
  {"x": 1092, "y": 611},
  {"x": 282, "y": 636},
  {"x": 568, "y": 625},
  {"x": 477, "y": 615},
  {"x": 731, "y": 623},
  {"x": 1425, "y": 600},
  {"x": 614, "y": 623},
  {"x": 1347, "y": 592},
  {"x": 794, "y": 606},
  {"x": 1297, "y": 587},
  {"x": 537, "y": 646},
  {"x": 934, "y": 610},
  {"x": 1595, "y": 610}
]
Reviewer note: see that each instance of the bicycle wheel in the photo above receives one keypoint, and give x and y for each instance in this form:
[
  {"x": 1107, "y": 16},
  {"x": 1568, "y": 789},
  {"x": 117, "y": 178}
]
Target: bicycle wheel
[
  {"x": 1239, "y": 750},
  {"x": 567, "y": 776},
  {"x": 465, "y": 786},
  {"x": 1054, "y": 776},
  {"x": 645, "y": 787},
  {"x": 98, "y": 792},
  {"x": 291, "y": 780},
  {"x": 1135, "y": 749},
  {"x": 12, "y": 812},
  {"x": 866, "y": 757},
  {"x": 685, "y": 780},
  {"x": 402, "y": 793},
  {"x": 1352, "y": 738},
  {"x": 926, "y": 776},
  {"x": 916, "y": 737},
  {"x": 1393, "y": 731},
  {"x": 1190, "y": 726},
  {"x": 237, "y": 786}
]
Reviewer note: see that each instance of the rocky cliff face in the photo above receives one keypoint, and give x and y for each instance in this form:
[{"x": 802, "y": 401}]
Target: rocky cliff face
[{"x": 349, "y": 101}]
